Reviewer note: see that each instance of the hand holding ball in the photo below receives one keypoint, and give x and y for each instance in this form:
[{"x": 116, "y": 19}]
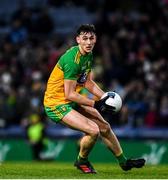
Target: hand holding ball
[{"x": 109, "y": 102}]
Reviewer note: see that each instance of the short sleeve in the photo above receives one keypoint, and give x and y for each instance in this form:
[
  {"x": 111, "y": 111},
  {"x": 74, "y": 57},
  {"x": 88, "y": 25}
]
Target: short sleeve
[{"x": 71, "y": 71}]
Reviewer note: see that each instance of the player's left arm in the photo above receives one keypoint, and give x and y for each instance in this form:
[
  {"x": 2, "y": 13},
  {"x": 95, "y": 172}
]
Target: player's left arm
[{"x": 93, "y": 87}]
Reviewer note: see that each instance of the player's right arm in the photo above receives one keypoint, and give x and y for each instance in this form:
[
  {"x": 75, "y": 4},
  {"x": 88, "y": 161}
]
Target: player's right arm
[
  {"x": 93, "y": 87},
  {"x": 72, "y": 95}
]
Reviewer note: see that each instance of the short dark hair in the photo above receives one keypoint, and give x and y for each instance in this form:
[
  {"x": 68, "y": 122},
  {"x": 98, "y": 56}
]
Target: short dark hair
[{"x": 86, "y": 28}]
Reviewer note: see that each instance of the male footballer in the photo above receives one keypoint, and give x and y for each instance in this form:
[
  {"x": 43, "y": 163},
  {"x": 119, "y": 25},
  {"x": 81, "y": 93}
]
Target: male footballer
[{"x": 64, "y": 104}]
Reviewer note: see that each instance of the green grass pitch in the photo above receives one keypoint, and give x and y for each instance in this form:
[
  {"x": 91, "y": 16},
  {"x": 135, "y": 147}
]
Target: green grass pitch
[{"x": 57, "y": 170}]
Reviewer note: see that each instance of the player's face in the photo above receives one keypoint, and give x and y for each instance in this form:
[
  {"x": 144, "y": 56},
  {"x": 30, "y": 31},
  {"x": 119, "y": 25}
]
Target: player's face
[{"x": 86, "y": 41}]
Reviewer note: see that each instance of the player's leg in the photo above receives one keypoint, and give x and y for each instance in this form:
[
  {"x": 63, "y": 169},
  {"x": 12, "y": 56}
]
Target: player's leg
[
  {"x": 106, "y": 132},
  {"x": 73, "y": 119},
  {"x": 110, "y": 139},
  {"x": 77, "y": 121},
  {"x": 66, "y": 115}
]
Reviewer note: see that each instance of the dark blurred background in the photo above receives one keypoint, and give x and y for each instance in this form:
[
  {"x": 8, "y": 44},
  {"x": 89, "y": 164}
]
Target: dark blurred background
[{"x": 130, "y": 57}]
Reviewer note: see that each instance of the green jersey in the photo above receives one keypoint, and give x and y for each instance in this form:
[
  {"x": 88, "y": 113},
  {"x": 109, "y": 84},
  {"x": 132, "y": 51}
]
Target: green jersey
[{"x": 73, "y": 66}]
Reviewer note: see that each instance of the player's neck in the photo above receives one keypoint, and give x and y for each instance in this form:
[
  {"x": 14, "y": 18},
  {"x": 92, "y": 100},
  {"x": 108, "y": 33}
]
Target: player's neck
[{"x": 82, "y": 51}]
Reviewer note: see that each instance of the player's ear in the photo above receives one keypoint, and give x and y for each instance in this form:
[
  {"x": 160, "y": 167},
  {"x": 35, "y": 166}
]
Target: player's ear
[{"x": 77, "y": 39}]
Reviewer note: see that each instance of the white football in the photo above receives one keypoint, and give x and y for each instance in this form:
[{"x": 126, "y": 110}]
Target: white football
[{"x": 114, "y": 100}]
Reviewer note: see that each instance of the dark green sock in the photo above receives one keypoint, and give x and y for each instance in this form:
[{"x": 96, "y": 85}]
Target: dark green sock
[
  {"x": 81, "y": 159},
  {"x": 121, "y": 158}
]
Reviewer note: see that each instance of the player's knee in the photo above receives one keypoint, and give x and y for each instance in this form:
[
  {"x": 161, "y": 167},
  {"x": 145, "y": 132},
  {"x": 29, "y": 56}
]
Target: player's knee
[
  {"x": 105, "y": 129},
  {"x": 95, "y": 131}
]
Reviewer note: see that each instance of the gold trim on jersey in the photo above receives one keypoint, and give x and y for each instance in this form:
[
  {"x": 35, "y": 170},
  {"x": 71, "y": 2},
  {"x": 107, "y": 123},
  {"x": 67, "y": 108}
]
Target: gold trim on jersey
[
  {"x": 58, "y": 66},
  {"x": 54, "y": 93},
  {"x": 58, "y": 113},
  {"x": 77, "y": 57}
]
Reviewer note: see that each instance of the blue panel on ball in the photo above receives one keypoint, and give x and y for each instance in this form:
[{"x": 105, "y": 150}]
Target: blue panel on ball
[{"x": 111, "y": 94}]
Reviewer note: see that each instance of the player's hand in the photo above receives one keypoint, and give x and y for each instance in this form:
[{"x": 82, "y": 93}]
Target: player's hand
[{"x": 100, "y": 105}]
